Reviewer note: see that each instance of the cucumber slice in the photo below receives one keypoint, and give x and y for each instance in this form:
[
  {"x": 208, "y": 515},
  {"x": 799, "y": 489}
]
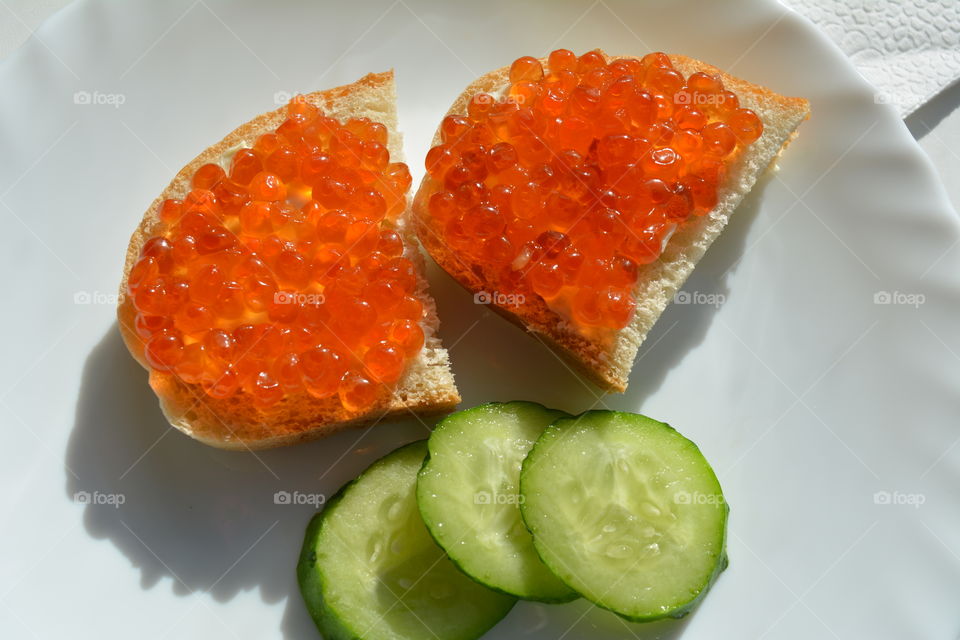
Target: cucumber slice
[
  {"x": 627, "y": 512},
  {"x": 370, "y": 570},
  {"x": 468, "y": 496}
]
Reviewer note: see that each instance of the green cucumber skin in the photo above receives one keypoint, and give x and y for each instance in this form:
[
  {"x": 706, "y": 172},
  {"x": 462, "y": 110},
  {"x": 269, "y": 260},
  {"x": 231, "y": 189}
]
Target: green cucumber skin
[
  {"x": 310, "y": 580},
  {"x": 573, "y": 594},
  {"x": 722, "y": 561},
  {"x": 570, "y": 597}
]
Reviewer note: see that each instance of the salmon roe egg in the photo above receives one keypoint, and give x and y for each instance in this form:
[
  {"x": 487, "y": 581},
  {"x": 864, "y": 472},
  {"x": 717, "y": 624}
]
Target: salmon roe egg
[
  {"x": 574, "y": 177},
  {"x": 356, "y": 392},
  {"x": 526, "y": 69},
  {"x": 282, "y": 273}
]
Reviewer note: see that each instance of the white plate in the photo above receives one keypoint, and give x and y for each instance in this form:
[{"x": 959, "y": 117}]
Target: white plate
[{"x": 831, "y": 419}]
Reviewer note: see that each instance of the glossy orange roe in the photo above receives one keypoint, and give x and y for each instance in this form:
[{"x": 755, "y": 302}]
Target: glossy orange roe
[
  {"x": 577, "y": 175},
  {"x": 284, "y": 274}
]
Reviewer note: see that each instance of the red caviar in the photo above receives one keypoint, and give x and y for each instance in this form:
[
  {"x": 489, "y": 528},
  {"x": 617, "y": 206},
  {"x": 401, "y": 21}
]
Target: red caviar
[
  {"x": 573, "y": 179},
  {"x": 282, "y": 272}
]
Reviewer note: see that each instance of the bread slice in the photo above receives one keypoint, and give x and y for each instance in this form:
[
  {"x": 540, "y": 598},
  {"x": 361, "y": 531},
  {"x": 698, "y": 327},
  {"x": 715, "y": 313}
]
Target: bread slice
[
  {"x": 427, "y": 386},
  {"x": 608, "y": 362}
]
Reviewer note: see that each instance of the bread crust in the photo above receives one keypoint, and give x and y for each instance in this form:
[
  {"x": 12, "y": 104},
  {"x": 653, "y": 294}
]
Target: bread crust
[
  {"x": 607, "y": 359},
  {"x": 427, "y": 386}
]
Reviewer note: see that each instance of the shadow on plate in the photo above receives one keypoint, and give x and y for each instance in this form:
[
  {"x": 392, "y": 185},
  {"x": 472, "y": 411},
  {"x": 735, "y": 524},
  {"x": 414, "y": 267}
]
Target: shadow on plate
[
  {"x": 929, "y": 115},
  {"x": 196, "y": 518},
  {"x": 682, "y": 327},
  {"x": 494, "y": 360}
]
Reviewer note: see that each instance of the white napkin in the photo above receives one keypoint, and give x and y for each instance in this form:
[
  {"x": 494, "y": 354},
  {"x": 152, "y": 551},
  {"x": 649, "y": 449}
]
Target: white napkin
[{"x": 908, "y": 49}]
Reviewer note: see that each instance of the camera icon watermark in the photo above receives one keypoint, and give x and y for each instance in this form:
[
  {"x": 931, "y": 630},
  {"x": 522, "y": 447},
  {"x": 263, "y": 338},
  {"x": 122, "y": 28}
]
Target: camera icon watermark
[
  {"x": 95, "y": 297},
  {"x": 483, "y": 98},
  {"x": 84, "y": 98},
  {"x": 97, "y": 498},
  {"x": 915, "y": 500},
  {"x": 716, "y": 300},
  {"x": 298, "y": 498},
  {"x": 899, "y": 298},
  {"x": 499, "y": 298},
  {"x": 487, "y": 497}
]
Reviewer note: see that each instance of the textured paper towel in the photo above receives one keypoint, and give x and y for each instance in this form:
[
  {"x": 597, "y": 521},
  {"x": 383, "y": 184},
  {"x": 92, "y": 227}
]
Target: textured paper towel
[{"x": 908, "y": 49}]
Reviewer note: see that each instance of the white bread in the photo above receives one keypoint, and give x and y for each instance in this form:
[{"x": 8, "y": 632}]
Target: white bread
[
  {"x": 427, "y": 386},
  {"x": 608, "y": 363}
]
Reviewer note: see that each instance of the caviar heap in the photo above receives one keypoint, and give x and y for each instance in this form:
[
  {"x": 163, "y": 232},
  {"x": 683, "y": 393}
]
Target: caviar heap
[
  {"x": 578, "y": 174},
  {"x": 285, "y": 275}
]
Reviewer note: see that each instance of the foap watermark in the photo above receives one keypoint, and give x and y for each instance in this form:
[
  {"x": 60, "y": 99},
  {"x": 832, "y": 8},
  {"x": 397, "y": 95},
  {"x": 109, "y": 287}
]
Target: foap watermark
[
  {"x": 914, "y": 500},
  {"x": 696, "y": 98},
  {"x": 495, "y": 443},
  {"x": 95, "y": 97},
  {"x": 97, "y": 498},
  {"x": 297, "y": 297},
  {"x": 281, "y": 97},
  {"x": 499, "y": 298},
  {"x": 297, "y": 498},
  {"x": 882, "y": 97},
  {"x": 696, "y": 497},
  {"x": 96, "y": 297},
  {"x": 486, "y": 99},
  {"x": 488, "y": 497},
  {"x": 899, "y": 298},
  {"x": 699, "y": 297}
]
